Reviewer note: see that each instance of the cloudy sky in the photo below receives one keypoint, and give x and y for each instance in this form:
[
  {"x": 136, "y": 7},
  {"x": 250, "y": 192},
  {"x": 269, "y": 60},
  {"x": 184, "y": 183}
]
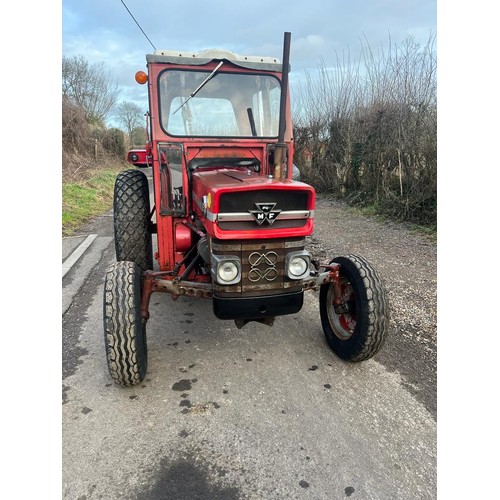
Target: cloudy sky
[{"x": 104, "y": 31}]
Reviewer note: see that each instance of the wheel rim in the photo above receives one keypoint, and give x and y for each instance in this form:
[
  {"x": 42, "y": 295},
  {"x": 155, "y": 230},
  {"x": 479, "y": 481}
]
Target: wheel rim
[{"x": 343, "y": 324}]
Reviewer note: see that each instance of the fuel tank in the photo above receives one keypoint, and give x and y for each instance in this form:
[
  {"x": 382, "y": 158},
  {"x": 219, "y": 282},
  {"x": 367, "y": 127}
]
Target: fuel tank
[{"x": 237, "y": 203}]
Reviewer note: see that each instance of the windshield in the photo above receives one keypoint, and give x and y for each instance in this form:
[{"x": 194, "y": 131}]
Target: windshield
[{"x": 226, "y": 105}]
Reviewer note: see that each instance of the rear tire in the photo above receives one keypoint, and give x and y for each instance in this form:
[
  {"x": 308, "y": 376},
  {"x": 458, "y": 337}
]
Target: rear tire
[
  {"x": 124, "y": 329},
  {"x": 132, "y": 215},
  {"x": 358, "y": 333}
]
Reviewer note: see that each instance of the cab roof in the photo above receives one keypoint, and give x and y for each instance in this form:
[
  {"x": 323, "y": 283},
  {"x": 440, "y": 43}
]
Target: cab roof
[{"x": 264, "y": 63}]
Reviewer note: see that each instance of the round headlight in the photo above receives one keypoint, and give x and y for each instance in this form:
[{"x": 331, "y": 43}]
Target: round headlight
[
  {"x": 227, "y": 271},
  {"x": 297, "y": 266},
  {"x": 134, "y": 157}
]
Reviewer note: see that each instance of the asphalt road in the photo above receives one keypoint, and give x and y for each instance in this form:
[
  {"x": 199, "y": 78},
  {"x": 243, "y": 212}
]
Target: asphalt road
[{"x": 223, "y": 413}]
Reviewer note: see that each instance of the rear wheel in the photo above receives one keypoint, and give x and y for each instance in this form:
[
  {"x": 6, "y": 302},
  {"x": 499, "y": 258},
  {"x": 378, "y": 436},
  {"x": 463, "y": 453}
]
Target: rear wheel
[
  {"x": 132, "y": 215},
  {"x": 358, "y": 331},
  {"x": 124, "y": 329}
]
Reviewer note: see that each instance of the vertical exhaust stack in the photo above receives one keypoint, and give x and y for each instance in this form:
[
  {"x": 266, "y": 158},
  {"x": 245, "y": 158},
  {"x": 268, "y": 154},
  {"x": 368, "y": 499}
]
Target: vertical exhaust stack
[{"x": 280, "y": 149}]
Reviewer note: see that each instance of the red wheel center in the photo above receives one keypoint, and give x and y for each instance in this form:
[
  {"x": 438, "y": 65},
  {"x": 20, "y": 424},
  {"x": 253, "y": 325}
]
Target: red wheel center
[{"x": 348, "y": 319}]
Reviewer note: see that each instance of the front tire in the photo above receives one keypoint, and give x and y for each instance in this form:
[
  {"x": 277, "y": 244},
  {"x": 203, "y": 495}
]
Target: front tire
[
  {"x": 357, "y": 333},
  {"x": 124, "y": 329},
  {"x": 131, "y": 208}
]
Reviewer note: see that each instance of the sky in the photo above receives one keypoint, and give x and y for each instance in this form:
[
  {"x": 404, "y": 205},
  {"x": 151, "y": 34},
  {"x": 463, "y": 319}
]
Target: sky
[{"x": 103, "y": 31}]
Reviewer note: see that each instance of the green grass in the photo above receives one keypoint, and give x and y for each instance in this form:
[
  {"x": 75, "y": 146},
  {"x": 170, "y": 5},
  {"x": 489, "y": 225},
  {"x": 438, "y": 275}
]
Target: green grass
[
  {"x": 373, "y": 210},
  {"x": 429, "y": 231},
  {"x": 83, "y": 200}
]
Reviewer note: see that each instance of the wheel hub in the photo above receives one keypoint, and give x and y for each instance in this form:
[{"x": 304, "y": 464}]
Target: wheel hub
[{"x": 342, "y": 316}]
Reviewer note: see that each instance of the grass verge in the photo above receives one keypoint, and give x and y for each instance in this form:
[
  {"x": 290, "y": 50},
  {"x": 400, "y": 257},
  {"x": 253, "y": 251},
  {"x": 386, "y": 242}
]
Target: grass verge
[
  {"x": 428, "y": 231},
  {"x": 84, "y": 199}
]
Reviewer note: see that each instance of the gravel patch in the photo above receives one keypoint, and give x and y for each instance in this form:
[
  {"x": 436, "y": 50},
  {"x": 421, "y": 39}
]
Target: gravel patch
[{"x": 407, "y": 263}]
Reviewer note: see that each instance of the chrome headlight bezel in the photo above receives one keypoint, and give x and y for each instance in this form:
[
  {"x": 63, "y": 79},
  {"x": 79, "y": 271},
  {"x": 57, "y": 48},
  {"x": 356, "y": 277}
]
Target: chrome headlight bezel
[
  {"x": 216, "y": 264},
  {"x": 296, "y": 257}
]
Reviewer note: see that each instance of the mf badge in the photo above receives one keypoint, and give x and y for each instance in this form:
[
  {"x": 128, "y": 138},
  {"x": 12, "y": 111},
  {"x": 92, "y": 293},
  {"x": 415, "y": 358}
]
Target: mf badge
[{"x": 265, "y": 213}]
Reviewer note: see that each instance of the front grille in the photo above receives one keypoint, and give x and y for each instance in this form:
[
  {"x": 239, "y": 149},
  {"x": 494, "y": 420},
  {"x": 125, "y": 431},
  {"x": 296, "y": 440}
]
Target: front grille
[
  {"x": 267, "y": 209},
  {"x": 262, "y": 265},
  {"x": 242, "y": 201}
]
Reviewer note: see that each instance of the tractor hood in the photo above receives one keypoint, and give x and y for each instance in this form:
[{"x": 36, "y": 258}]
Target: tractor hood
[{"x": 238, "y": 203}]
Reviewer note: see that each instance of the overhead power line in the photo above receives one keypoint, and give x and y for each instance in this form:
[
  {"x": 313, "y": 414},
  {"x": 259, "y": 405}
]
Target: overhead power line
[{"x": 131, "y": 15}]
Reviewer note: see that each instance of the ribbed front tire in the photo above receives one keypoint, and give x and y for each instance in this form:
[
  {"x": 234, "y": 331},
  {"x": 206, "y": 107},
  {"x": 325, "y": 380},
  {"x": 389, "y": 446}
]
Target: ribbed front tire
[
  {"x": 357, "y": 333},
  {"x": 124, "y": 330}
]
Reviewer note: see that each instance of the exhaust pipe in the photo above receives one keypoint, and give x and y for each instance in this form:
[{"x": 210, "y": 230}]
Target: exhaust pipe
[{"x": 280, "y": 148}]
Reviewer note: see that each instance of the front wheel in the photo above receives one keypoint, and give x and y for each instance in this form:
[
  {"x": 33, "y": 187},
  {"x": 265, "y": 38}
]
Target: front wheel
[
  {"x": 124, "y": 329},
  {"x": 359, "y": 330}
]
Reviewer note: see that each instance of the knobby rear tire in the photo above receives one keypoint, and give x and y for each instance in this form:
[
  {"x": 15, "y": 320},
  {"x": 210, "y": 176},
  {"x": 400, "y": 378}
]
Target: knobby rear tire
[
  {"x": 124, "y": 329},
  {"x": 132, "y": 214},
  {"x": 359, "y": 333}
]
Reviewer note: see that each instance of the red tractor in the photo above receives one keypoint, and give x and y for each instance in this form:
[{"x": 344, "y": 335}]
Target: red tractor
[{"x": 229, "y": 219}]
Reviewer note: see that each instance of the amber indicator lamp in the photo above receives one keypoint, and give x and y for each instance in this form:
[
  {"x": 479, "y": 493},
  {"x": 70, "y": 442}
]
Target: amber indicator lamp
[{"x": 141, "y": 77}]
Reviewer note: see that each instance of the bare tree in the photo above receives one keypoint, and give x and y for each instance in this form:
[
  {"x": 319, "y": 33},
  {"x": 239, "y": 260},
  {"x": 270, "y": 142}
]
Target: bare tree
[
  {"x": 89, "y": 86},
  {"x": 76, "y": 134},
  {"x": 130, "y": 116},
  {"x": 138, "y": 137}
]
